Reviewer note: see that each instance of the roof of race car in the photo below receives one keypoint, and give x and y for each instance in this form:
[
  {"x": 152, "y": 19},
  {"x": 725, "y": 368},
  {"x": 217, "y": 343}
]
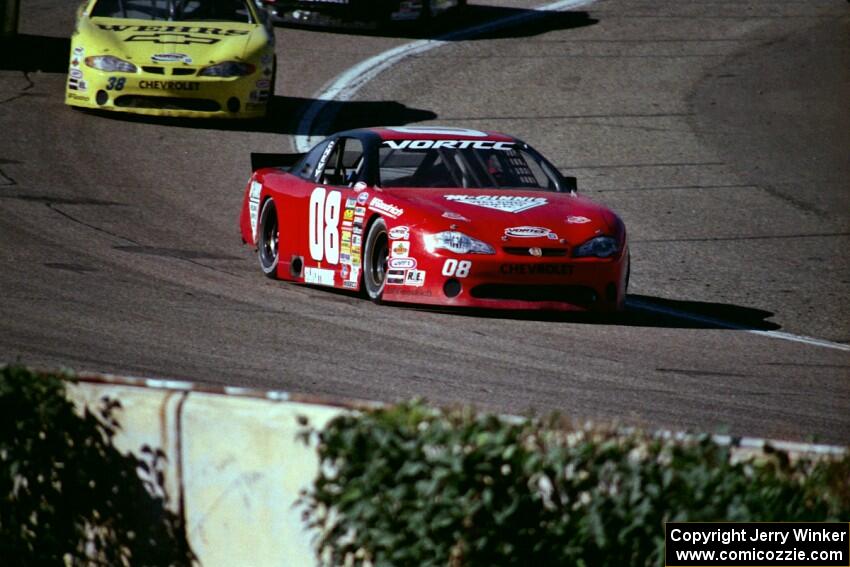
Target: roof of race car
[{"x": 432, "y": 133}]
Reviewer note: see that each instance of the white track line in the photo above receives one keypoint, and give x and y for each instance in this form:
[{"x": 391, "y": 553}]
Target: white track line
[
  {"x": 346, "y": 85},
  {"x": 646, "y": 306}
]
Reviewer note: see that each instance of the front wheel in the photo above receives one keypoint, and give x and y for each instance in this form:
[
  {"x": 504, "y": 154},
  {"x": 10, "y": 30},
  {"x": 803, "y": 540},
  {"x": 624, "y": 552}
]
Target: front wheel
[
  {"x": 375, "y": 254},
  {"x": 268, "y": 238}
]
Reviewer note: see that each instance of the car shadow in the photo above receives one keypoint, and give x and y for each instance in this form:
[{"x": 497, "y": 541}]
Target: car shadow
[
  {"x": 641, "y": 311},
  {"x": 29, "y": 53},
  {"x": 284, "y": 117},
  {"x": 515, "y": 22}
]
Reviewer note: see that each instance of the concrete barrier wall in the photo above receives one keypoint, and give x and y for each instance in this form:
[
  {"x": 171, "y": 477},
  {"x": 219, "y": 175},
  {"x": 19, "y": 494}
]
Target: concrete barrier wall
[
  {"x": 233, "y": 467},
  {"x": 233, "y": 464}
]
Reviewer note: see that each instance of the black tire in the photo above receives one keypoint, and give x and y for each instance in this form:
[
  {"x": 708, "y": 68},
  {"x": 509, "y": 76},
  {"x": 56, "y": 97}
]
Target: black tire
[
  {"x": 376, "y": 252},
  {"x": 268, "y": 238}
]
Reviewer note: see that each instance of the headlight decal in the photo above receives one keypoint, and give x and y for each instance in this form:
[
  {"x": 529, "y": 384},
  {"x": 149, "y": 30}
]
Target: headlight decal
[
  {"x": 599, "y": 246},
  {"x": 228, "y": 69},
  {"x": 110, "y": 63},
  {"x": 456, "y": 242}
]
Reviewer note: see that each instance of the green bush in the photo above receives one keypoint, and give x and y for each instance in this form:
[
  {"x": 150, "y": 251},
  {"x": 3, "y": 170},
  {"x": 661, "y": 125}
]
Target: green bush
[
  {"x": 408, "y": 485},
  {"x": 68, "y": 496}
]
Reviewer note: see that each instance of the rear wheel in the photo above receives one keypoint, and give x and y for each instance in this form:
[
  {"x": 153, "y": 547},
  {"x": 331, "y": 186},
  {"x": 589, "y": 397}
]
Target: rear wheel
[
  {"x": 268, "y": 237},
  {"x": 375, "y": 256}
]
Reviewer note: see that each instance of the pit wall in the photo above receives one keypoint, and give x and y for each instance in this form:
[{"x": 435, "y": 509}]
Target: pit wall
[{"x": 233, "y": 465}]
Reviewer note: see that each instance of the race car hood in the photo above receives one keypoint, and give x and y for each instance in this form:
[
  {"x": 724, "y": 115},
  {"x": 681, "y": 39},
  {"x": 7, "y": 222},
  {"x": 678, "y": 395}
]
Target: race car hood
[
  {"x": 199, "y": 43},
  {"x": 499, "y": 215}
]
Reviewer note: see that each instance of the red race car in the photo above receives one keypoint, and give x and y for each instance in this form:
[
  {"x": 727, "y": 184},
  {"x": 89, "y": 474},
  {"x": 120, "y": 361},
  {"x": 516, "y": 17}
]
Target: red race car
[{"x": 439, "y": 216}]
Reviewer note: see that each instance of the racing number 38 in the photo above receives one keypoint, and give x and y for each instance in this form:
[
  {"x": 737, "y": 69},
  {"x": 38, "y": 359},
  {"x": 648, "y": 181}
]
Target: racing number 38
[{"x": 324, "y": 225}]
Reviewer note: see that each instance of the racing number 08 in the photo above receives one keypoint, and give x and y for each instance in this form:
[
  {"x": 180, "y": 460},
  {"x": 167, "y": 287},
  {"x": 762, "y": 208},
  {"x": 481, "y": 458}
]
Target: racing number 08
[
  {"x": 458, "y": 269},
  {"x": 324, "y": 225}
]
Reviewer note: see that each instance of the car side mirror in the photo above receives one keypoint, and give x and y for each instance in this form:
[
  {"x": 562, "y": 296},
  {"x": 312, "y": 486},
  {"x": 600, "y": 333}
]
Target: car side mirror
[{"x": 570, "y": 183}]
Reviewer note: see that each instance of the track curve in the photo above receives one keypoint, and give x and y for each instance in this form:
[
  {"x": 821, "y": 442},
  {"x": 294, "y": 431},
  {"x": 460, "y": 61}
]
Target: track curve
[{"x": 120, "y": 251}]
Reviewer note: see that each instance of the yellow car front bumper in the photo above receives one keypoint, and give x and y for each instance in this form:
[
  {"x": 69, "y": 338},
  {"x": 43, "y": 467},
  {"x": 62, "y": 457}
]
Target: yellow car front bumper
[{"x": 169, "y": 91}]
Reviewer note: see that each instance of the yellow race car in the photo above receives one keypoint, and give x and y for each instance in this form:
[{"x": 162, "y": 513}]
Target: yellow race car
[{"x": 205, "y": 58}]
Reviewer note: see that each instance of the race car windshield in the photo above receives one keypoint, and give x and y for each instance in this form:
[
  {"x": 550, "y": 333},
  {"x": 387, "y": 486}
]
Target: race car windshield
[
  {"x": 175, "y": 10},
  {"x": 464, "y": 164}
]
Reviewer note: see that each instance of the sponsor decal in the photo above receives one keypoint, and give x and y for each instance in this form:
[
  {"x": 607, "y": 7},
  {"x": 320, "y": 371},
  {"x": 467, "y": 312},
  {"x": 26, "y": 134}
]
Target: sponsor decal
[
  {"x": 345, "y": 259},
  {"x": 346, "y": 224},
  {"x": 536, "y": 269},
  {"x": 174, "y": 39},
  {"x": 354, "y": 275},
  {"x": 173, "y": 35},
  {"x": 507, "y": 203},
  {"x": 77, "y": 85},
  {"x": 415, "y": 278},
  {"x": 400, "y": 249},
  {"x": 75, "y": 62},
  {"x": 348, "y": 215},
  {"x": 350, "y": 284},
  {"x": 266, "y": 59},
  {"x": 362, "y": 197},
  {"x": 170, "y": 85},
  {"x": 254, "y": 205},
  {"x": 359, "y": 211},
  {"x": 399, "y": 233},
  {"x": 355, "y": 259},
  {"x": 530, "y": 232},
  {"x": 344, "y": 270},
  {"x": 535, "y": 251},
  {"x": 75, "y": 74},
  {"x": 358, "y": 230},
  {"x": 320, "y": 167},
  {"x": 577, "y": 220},
  {"x": 171, "y": 58},
  {"x": 448, "y": 144},
  {"x": 345, "y": 248},
  {"x": 421, "y": 291},
  {"x": 79, "y": 51},
  {"x": 350, "y": 202},
  {"x": 395, "y": 277},
  {"x": 401, "y": 263},
  {"x": 346, "y": 236},
  {"x": 359, "y": 186},
  {"x": 320, "y": 276},
  {"x": 356, "y": 240},
  {"x": 77, "y": 97},
  {"x": 358, "y": 222},
  {"x": 379, "y": 205},
  {"x": 455, "y": 216},
  {"x": 263, "y": 83},
  {"x": 170, "y": 29}
]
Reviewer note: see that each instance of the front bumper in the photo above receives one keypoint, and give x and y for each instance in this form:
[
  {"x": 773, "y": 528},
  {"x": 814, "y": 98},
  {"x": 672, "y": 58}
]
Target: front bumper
[
  {"x": 167, "y": 93},
  {"x": 503, "y": 281}
]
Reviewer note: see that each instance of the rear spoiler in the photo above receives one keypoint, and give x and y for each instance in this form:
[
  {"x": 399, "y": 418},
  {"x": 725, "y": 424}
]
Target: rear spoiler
[{"x": 285, "y": 161}]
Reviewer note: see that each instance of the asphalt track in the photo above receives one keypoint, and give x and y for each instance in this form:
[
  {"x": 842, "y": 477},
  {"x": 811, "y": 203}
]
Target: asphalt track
[{"x": 719, "y": 130}]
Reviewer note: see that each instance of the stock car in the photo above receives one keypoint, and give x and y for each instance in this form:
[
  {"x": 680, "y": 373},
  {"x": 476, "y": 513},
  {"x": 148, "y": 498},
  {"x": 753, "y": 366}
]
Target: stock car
[
  {"x": 358, "y": 13},
  {"x": 201, "y": 58},
  {"x": 435, "y": 216}
]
